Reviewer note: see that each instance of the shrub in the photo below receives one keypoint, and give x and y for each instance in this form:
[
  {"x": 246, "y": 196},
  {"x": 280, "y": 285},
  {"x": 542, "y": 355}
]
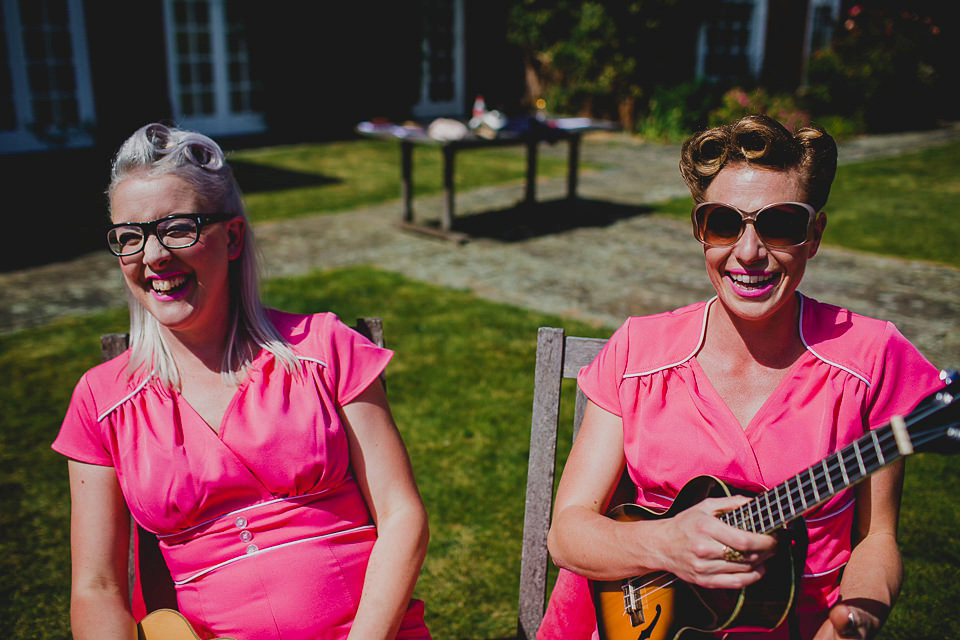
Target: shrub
[
  {"x": 676, "y": 111},
  {"x": 890, "y": 66},
  {"x": 593, "y": 57},
  {"x": 738, "y": 102}
]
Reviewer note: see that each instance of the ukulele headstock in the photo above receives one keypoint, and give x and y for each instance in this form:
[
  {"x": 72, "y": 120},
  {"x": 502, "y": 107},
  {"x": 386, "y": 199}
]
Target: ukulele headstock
[{"x": 934, "y": 424}]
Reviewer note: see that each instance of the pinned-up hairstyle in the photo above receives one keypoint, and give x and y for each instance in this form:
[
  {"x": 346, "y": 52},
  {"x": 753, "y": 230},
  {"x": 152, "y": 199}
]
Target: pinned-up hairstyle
[
  {"x": 158, "y": 150},
  {"x": 760, "y": 140}
]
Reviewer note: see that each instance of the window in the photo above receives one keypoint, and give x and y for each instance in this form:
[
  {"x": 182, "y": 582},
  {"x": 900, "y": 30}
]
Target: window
[
  {"x": 46, "y": 99},
  {"x": 821, "y": 19},
  {"x": 211, "y": 84},
  {"x": 730, "y": 44},
  {"x": 441, "y": 80}
]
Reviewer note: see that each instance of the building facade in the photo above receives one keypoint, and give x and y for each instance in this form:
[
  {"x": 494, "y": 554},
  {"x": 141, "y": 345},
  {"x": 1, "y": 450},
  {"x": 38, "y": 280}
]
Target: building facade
[{"x": 77, "y": 76}]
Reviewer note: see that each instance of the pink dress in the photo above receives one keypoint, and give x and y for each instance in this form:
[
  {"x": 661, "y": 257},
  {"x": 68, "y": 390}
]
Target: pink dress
[
  {"x": 855, "y": 374},
  {"x": 264, "y": 529}
]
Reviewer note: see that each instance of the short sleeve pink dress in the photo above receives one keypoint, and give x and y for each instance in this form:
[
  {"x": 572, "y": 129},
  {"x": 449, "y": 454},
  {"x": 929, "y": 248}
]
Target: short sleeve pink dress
[
  {"x": 264, "y": 529},
  {"x": 855, "y": 374}
]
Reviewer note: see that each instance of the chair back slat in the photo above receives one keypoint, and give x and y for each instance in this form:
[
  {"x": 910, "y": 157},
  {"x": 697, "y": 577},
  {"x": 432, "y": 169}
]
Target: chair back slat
[
  {"x": 558, "y": 357},
  {"x": 372, "y": 329},
  {"x": 579, "y": 352},
  {"x": 113, "y": 344}
]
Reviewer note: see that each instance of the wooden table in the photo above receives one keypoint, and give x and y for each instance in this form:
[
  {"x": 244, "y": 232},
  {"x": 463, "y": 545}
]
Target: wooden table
[{"x": 570, "y": 130}]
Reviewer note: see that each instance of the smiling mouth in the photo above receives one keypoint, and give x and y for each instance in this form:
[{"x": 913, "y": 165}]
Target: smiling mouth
[
  {"x": 754, "y": 281},
  {"x": 168, "y": 286}
]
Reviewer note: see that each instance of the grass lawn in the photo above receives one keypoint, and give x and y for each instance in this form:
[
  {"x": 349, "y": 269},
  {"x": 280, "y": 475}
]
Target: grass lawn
[
  {"x": 460, "y": 387},
  {"x": 900, "y": 206},
  {"x": 461, "y": 390}
]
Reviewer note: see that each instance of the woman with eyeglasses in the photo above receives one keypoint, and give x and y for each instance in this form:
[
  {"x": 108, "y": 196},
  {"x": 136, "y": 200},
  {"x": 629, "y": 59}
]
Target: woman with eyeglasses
[
  {"x": 749, "y": 388},
  {"x": 257, "y": 445}
]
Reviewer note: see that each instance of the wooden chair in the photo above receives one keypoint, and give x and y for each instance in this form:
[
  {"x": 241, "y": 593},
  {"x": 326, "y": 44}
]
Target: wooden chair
[
  {"x": 149, "y": 582},
  {"x": 558, "y": 357}
]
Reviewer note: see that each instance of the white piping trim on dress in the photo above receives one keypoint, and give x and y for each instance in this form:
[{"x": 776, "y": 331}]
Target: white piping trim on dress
[
  {"x": 703, "y": 328},
  {"x": 241, "y": 510},
  {"x": 662, "y": 496},
  {"x": 148, "y": 378},
  {"x": 137, "y": 390},
  {"x": 803, "y": 339},
  {"x": 824, "y": 573},
  {"x": 703, "y": 335},
  {"x": 204, "y": 572},
  {"x": 840, "y": 509}
]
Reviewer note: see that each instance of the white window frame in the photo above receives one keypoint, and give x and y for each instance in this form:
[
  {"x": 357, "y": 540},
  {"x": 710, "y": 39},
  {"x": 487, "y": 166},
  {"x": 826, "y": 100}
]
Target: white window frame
[
  {"x": 426, "y": 108},
  {"x": 23, "y": 138},
  {"x": 756, "y": 44},
  {"x": 223, "y": 121},
  {"x": 812, "y": 6}
]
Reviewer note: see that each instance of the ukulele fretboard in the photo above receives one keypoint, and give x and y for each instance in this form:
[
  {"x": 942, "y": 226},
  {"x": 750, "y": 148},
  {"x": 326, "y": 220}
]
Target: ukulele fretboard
[{"x": 818, "y": 483}]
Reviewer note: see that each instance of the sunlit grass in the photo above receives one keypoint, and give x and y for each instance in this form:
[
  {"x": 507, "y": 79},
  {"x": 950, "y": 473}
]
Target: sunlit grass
[{"x": 461, "y": 387}]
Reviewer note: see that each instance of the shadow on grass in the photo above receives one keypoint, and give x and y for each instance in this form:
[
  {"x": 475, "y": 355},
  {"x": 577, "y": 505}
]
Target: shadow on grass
[
  {"x": 525, "y": 221},
  {"x": 254, "y": 177}
]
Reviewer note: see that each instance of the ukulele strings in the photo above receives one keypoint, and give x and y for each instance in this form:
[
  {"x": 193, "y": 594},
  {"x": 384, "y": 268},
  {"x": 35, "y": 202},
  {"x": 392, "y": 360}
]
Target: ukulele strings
[
  {"x": 825, "y": 471},
  {"x": 814, "y": 485},
  {"x": 652, "y": 584}
]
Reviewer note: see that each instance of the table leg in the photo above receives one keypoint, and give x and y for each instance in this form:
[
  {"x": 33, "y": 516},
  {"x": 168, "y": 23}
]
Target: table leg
[
  {"x": 449, "y": 153},
  {"x": 573, "y": 162},
  {"x": 530, "y": 195},
  {"x": 406, "y": 179}
]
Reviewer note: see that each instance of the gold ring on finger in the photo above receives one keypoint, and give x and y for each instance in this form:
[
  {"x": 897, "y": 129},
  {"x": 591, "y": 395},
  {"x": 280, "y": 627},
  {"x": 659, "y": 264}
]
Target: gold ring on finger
[{"x": 732, "y": 555}]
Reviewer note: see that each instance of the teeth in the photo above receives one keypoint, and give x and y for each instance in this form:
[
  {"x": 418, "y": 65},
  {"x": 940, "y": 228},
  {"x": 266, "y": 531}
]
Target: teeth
[
  {"x": 169, "y": 284},
  {"x": 744, "y": 278}
]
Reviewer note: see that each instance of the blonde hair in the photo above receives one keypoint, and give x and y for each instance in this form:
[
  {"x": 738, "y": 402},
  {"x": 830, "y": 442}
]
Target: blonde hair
[
  {"x": 155, "y": 150},
  {"x": 761, "y": 140}
]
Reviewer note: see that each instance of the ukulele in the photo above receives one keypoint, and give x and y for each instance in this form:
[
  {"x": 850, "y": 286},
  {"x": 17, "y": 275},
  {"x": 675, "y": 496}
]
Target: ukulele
[
  {"x": 167, "y": 624},
  {"x": 660, "y": 606}
]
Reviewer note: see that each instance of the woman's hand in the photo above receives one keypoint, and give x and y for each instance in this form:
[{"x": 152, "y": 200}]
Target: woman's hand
[
  {"x": 848, "y": 621},
  {"x": 699, "y": 548}
]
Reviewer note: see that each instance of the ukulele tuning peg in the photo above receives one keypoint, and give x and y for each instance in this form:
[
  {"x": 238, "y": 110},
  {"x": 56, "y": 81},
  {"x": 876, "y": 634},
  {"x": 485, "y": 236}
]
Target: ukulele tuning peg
[{"x": 951, "y": 386}]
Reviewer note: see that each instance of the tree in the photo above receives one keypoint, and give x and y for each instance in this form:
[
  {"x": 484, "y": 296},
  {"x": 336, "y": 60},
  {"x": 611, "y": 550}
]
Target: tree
[{"x": 599, "y": 58}]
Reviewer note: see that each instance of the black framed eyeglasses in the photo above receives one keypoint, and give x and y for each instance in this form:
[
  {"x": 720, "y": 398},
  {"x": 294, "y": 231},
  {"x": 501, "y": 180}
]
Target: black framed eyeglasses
[
  {"x": 779, "y": 225},
  {"x": 177, "y": 231}
]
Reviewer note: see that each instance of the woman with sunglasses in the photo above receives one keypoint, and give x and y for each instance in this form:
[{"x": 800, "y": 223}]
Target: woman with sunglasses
[
  {"x": 750, "y": 387},
  {"x": 257, "y": 445}
]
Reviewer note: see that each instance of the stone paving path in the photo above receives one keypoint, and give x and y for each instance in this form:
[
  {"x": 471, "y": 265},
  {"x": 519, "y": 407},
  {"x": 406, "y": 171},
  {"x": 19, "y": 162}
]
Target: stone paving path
[{"x": 599, "y": 260}]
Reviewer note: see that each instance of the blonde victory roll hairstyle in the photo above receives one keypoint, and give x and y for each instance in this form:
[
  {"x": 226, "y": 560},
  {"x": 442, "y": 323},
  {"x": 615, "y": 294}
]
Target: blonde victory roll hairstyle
[{"x": 157, "y": 150}]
